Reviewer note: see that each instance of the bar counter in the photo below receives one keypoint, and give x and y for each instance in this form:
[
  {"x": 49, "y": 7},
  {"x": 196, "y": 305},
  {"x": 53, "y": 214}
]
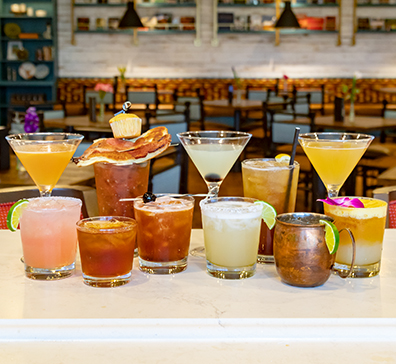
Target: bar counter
[{"x": 191, "y": 317}]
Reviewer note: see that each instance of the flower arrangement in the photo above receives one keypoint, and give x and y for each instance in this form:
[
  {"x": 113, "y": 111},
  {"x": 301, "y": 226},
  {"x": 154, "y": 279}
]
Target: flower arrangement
[
  {"x": 31, "y": 120},
  {"x": 285, "y": 85},
  {"x": 237, "y": 80},
  {"x": 102, "y": 88},
  {"x": 122, "y": 70},
  {"x": 352, "y": 94},
  {"x": 354, "y": 91}
]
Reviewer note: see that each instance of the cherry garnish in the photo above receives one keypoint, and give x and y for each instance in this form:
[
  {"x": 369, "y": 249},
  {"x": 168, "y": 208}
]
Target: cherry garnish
[
  {"x": 149, "y": 197},
  {"x": 213, "y": 177}
]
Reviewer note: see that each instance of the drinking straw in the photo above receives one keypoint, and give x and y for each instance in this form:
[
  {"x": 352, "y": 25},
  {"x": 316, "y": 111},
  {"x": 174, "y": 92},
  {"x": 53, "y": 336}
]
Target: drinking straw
[
  {"x": 293, "y": 155},
  {"x": 295, "y": 140}
]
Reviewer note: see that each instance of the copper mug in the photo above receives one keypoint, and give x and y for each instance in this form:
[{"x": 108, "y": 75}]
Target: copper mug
[{"x": 301, "y": 255}]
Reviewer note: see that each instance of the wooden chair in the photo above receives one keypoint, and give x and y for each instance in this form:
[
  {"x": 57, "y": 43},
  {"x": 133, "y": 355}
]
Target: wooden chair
[
  {"x": 388, "y": 194},
  {"x": 143, "y": 98},
  {"x": 195, "y": 107},
  {"x": 169, "y": 171},
  {"x": 317, "y": 98},
  {"x": 8, "y": 196}
]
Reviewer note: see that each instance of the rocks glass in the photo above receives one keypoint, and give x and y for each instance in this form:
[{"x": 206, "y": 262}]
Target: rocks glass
[
  {"x": 231, "y": 228},
  {"x": 164, "y": 233},
  {"x": 49, "y": 237},
  {"x": 107, "y": 246}
]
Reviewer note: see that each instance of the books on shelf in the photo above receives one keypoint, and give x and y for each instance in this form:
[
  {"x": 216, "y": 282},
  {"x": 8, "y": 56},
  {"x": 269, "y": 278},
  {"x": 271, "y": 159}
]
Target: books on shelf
[{"x": 82, "y": 23}]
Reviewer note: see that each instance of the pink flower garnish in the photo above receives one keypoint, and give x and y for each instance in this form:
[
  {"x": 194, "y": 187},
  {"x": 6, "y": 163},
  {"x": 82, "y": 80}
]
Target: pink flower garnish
[
  {"x": 104, "y": 87},
  {"x": 344, "y": 201},
  {"x": 285, "y": 77}
]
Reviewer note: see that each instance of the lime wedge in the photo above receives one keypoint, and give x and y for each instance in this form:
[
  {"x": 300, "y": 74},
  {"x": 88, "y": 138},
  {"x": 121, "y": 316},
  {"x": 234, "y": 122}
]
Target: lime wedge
[
  {"x": 282, "y": 158},
  {"x": 15, "y": 213},
  {"x": 268, "y": 214},
  {"x": 332, "y": 236}
]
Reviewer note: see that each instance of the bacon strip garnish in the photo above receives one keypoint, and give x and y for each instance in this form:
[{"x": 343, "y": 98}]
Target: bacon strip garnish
[{"x": 120, "y": 151}]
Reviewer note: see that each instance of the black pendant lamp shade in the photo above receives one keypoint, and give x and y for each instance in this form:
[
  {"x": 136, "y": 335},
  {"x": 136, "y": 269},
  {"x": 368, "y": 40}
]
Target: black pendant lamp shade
[
  {"x": 287, "y": 18},
  {"x": 131, "y": 18}
]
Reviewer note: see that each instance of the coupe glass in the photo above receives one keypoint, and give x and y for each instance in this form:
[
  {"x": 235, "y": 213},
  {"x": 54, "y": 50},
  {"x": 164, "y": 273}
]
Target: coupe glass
[
  {"x": 334, "y": 155},
  {"x": 45, "y": 156}
]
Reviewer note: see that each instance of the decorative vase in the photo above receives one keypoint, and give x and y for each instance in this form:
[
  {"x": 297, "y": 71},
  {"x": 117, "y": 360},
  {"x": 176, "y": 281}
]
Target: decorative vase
[
  {"x": 238, "y": 96},
  {"x": 101, "y": 112},
  {"x": 352, "y": 113},
  {"x": 121, "y": 87}
]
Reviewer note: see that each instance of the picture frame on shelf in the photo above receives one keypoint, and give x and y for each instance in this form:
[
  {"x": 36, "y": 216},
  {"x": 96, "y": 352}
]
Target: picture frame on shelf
[
  {"x": 100, "y": 23},
  {"x": 112, "y": 23},
  {"x": 12, "y": 49}
]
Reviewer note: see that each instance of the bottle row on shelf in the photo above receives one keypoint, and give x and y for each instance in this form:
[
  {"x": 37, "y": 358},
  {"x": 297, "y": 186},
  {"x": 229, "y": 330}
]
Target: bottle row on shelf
[
  {"x": 258, "y": 22},
  {"x": 162, "y": 21},
  {"x": 376, "y": 24}
]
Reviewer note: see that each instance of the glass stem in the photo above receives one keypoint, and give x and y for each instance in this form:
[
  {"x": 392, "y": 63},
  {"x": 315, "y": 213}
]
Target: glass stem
[
  {"x": 332, "y": 193},
  {"x": 46, "y": 193},
  {"x": 213, "y": 189}
]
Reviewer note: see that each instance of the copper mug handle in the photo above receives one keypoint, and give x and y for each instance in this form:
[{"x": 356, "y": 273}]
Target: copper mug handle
[{"x": 346, "y": 275}]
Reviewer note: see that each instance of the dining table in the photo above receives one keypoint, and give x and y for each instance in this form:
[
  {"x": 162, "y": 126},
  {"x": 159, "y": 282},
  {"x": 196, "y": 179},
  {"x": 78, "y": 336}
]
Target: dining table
[
  {"x": 80, "y": 123},
  {"x": 195, "y": 318}
]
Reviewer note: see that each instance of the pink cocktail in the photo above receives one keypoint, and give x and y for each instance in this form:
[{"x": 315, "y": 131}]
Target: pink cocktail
[{"x": 49, "y": 237}]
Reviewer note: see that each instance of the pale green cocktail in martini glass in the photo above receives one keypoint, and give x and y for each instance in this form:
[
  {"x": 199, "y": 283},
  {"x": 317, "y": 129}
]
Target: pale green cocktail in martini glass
[{"x": 213, "y": 153}]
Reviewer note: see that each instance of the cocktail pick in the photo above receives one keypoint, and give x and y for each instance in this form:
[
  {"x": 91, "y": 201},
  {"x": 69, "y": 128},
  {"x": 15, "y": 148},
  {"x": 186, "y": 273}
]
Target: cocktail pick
[
  {"x": 169, "y": 195},
  {"x": 125, "y": 107}
]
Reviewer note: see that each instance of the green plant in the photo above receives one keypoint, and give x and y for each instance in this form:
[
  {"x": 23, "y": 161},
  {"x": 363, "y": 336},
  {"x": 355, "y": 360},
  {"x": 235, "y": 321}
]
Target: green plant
[
  {"x": 237, "y": 80},
  {"x": 351, "y": 95},
  {"x": 122, "y": 71}
]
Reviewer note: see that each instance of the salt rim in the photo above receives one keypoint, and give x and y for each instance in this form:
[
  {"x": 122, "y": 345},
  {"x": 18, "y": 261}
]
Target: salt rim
[
  {"x": 214, "y": 206},
  {"x": 33, "y": 204}
]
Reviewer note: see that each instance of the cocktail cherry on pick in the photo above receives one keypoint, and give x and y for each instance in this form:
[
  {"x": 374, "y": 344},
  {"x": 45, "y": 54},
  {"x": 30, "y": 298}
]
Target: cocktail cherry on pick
[{"x": 149, "y": 197}]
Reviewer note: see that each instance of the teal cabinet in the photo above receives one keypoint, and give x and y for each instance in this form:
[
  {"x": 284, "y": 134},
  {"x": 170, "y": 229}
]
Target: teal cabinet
[{"x": 28, "y": 53}]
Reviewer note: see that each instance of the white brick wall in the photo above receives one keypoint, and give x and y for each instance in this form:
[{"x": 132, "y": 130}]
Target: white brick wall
[{"x": 253, "y": 55}]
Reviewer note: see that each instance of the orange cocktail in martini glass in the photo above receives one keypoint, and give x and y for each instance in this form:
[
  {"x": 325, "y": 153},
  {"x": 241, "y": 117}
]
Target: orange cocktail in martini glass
[
  {"x": 334, "y": 155},
  {"x": 45, "y": 156}
]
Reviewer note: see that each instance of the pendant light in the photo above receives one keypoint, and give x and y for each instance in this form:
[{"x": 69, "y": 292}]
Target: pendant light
[
  {"x": 131, "y": 18},
  {"x": 287, "y": 18}
]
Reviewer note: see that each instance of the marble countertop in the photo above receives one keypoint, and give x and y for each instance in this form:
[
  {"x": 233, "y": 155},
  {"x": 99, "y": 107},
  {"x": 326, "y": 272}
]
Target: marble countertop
[{"x": 192, "y": 317}]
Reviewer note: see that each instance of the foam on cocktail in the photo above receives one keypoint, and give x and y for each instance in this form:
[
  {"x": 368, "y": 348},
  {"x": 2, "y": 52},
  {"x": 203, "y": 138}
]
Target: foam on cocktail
[{"x": 255, "y": 163}]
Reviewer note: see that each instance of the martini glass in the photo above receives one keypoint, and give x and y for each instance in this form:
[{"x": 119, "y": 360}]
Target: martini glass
[
  {"x": 45, "y": 156},
  {"x": 334, "y": 156},
  {"x": 213, "y": 153}
]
